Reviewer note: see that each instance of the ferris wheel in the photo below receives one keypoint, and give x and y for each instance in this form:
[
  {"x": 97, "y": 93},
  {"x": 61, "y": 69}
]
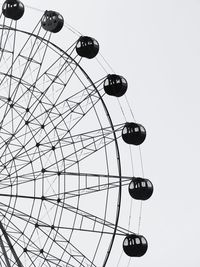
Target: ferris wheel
[{"x": 60, "y": 161}]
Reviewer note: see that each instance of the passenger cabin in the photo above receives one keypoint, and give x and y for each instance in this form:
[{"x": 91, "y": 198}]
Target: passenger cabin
[
  {"x": 87, "y": 47},
  {"x": 133, "y": 133},
  {"x": 13, "y": 9},
  {"x": 135, "y": 245},
  {"x": 140, "y": 188},
  {"x": 52, "y": 21},
  {"x": 115, "y": 85}
]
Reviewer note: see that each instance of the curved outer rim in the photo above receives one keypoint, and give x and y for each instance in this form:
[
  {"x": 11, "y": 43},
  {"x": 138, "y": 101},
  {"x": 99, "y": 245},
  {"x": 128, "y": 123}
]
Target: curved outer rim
[{"x": 111, "y": 124}]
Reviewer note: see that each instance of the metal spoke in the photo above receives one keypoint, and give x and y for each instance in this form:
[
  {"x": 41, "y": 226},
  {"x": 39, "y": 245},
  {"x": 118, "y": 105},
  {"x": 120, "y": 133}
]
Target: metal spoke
[
  {"x": 86, "y": 144},
  {"x": 102, "y": 183},
  {"x": 90, "y": 143},
  {"x": 97, "y": 221}
]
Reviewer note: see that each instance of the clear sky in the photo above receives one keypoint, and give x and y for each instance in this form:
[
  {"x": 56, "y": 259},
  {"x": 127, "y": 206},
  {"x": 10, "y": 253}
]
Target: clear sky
[{"x": 156, "y": 46}]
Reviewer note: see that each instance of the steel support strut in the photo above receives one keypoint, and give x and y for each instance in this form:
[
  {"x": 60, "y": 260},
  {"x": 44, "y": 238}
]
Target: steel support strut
[
  {"x": 18, "y": 262},
  {"x": 4, "y": 252}
]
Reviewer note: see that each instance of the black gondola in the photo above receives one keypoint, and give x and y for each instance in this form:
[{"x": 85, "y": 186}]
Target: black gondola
[
  {"x": 13, "y": 9},
  {"x": 52, "y": 21},
  {"x": 140, "y": 188},
  {"x": 135, "y": 245},
  {"x": 115, "y": 85},
  {"x": 87, "y": 47},
  {"x": 133, "y": 133}
]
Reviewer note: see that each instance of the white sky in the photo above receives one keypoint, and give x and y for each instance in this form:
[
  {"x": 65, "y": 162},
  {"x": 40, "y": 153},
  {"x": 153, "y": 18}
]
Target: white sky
[{"x": 156, "y": 46}]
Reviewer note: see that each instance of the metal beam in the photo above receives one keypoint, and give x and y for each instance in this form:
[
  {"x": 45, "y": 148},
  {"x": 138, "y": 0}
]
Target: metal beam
[
  {"x": 4, "y": 252},
  {"x": 18, "y": 262}
]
